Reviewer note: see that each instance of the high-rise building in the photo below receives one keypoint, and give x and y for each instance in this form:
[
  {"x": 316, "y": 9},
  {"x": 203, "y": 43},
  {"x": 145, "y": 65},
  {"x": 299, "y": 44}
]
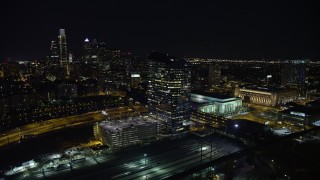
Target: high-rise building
[
  {"x": 293, "y": 73},
  {"x": 117, "y": 67},
  {"x": 70, "y": 57},
  {"x": 135, "y": 79},
  {"x": 214, "y": 75},
  {"x": 54, "y": 56},
  {"x": 63, "y": 53},
  {"x": 103, "y": 57},
  {"x": 138, "y": 65},
  {"x": 87, "y": 50},
  {"x": 90, "y": 51},
  {"x": 67, "y": 90},
  {"x": 169, "y": 91}
]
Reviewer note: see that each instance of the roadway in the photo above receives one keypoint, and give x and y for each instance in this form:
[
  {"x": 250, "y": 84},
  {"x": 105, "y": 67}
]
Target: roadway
[
  {"x": 268, "y": 116},
  {"x": 14, "y": 135},
  {"x": 260, "y": 114}
]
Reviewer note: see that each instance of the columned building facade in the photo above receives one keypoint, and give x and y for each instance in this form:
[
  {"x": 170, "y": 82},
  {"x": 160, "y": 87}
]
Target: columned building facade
[
  {"x": 217, "y": 105},
  {"x": 266, "y": 97}
]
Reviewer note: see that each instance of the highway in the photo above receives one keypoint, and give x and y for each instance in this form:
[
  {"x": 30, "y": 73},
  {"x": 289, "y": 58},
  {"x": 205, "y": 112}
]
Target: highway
[{"x": 14, "y": 135}]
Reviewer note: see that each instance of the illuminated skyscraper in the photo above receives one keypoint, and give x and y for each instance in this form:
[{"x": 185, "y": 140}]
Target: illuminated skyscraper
[
  {"x": 87, "y": 50},
  {"x": 63, "y": 50},
  {"x": 70, "y": 57},
  {"x": 103, "y": 57},
  {"x": 90, "y": 51},
  {"x": 54, "y": 54},
  {"x": 169, "y": 91}
]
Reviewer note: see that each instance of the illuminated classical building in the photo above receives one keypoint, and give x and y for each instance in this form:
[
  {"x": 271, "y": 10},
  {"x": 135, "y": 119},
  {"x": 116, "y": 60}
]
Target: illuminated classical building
[
  {"x": 265, "y": 96},
  {"x": 169, "y": 90},
  {"x": 217, "y": 104}
]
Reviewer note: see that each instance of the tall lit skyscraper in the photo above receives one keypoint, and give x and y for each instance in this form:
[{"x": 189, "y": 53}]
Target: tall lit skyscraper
[
  {"x": 54, "y": 54},
  {"x": 63, "y": 50},
  {"x": 90, "y": 51},
  {"x": 87, "y": 50},
  {"x": 70, "y": 57},
  {"x": 169, "y": 91},
  {"x": 103, "y": 57}
]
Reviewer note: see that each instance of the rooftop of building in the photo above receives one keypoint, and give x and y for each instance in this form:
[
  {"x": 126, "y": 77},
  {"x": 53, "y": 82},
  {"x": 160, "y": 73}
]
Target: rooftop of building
[
  {"x": 125, "y": 123},
  {"x": 306, "y": 110},
  {"x": 213, "y": 95},
  {"x": 315, "y": 103},
  {"x": 168, "y": 60},
  {"x": 265, "y": 88}
]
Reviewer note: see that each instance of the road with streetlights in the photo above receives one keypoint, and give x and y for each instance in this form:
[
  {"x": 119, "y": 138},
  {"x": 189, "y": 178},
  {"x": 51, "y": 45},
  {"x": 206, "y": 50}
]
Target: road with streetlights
[
  {"x": 268, "y": 116},
  {"x": 16, "y": 134}
]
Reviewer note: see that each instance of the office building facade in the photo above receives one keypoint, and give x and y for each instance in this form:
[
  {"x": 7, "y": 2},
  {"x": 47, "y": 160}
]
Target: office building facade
[
  {"x": 169, "y": 91},
  {"x": 54, "y": 56},
  {"x": 63, "y": 49},
  {"x": 294, "y": 74}
]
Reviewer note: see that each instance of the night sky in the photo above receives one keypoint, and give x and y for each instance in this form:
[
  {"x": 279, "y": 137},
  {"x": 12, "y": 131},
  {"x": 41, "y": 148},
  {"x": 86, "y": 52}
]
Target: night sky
[{"x": 285, "y": 29}]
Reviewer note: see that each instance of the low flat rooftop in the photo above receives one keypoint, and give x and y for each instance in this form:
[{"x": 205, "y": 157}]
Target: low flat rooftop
[
  {"x": 308, "y": 110},
  {"x": 213, "y": 95},
  {"x": 119, "y": 125},
  {"x": 266, "y": 89}
]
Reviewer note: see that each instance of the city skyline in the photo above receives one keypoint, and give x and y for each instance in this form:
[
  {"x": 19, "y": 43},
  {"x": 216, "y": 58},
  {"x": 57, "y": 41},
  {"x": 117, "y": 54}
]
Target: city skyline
[
  {"x": 140, "y": 89},
  {"x": 244, "y": 30}
]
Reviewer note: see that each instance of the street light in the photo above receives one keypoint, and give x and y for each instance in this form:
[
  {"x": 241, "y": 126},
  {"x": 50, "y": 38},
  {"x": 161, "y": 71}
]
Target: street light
[
  {"x": 145, "y": 159},
  {"x": 236, "y": 125}
]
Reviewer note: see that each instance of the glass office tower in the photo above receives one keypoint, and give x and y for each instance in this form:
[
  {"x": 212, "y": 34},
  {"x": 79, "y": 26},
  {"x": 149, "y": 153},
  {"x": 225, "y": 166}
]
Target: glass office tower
[{"x": 169, "y": 91}]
